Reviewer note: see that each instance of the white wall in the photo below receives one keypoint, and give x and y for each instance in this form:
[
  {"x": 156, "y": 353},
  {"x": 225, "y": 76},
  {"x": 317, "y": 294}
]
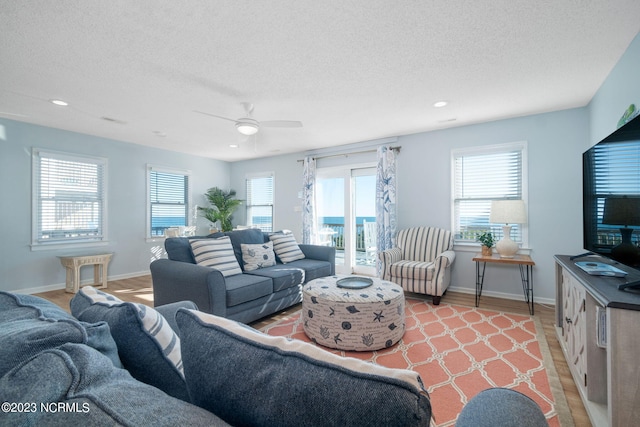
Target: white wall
[{"x": 24, "y": 270}]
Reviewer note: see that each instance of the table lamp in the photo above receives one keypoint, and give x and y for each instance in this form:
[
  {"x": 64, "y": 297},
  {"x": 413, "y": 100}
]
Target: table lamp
[
  {"x": 623, "y": 211},
  {"x": 507, "y": 212}
]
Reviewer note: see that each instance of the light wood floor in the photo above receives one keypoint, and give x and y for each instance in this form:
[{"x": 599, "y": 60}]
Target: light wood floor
[{"x": 139, "y": 289}]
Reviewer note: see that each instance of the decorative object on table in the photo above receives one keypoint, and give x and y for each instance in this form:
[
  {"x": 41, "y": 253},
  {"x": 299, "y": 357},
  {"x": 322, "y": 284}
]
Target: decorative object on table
[
  {"x": 354, "y": 282},
  {"x": 623, "y": 211},
  {"x": 486, "y": 240},
  {"x": 224, "y": 204},
  {"x": 629, "y": 114},
  {"x": 507, "y": 212}
]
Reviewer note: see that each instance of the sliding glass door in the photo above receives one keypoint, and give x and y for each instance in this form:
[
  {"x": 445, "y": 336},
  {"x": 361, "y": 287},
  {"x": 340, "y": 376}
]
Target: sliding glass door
[{"x": 346, "y": 216}]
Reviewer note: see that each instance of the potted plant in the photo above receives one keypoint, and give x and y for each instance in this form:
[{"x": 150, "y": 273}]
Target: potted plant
[
  {"x": 486, "y": 240},
  {"x": 224, "y": 204}
]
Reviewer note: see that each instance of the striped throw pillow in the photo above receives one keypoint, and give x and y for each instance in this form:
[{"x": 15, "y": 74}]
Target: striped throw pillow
[
  {"x": 216, "y": 253},
  {"x": 285, "y": 246}
]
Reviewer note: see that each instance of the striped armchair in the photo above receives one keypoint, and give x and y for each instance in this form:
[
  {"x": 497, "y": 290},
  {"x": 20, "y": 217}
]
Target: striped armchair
[{"x": 421, "y": 262}]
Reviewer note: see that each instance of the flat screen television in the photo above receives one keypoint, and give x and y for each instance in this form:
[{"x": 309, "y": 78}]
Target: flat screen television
[{"x": 611, "y": 196}]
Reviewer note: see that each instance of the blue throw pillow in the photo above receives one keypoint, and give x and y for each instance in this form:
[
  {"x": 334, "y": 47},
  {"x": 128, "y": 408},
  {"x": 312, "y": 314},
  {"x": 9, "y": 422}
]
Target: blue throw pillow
[
  {"x": 148, "y": 347},
  {"x": 29, "y": 325},
  {"x": 250, "y": 378},
  {"x": 179, "y": 249},
  {"x": 74, "y": 385}
]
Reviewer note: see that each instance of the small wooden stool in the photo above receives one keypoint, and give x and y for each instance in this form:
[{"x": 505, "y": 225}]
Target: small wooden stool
[{"x": 100, "y": 264}]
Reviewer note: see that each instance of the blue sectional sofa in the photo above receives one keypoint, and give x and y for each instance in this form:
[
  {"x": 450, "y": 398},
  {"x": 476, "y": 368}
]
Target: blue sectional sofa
[
  {"x": 120, "y": 363},
  {"x": 244, "y": 297}
]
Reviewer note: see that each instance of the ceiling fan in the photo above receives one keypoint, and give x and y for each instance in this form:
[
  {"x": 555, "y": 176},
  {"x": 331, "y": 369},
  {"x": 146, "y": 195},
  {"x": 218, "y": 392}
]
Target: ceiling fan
[{"x": 249, "y": 126}]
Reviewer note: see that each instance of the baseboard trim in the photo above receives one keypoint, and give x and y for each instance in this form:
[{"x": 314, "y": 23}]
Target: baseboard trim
[
  {"x": 514, "y": 297},
  {"x": 58, "y": 286}
]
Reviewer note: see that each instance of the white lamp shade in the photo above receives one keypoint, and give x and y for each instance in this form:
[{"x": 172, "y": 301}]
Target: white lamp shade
[{"x": 508, "y": 212}]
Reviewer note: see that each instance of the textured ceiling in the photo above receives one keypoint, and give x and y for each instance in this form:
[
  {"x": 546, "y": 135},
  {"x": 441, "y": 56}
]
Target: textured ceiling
[{"x": 351, "y": 71}]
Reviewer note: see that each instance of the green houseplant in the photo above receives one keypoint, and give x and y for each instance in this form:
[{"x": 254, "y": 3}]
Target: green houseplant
[
  {"x": 224, "y": 204},
  {"x": 486, "y": 240}
]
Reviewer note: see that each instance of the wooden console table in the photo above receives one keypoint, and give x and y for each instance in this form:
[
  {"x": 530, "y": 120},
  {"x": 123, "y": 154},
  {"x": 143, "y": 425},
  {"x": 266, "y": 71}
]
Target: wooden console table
[
  {"x": 100, "y": 264},
  {"x": 524, "y": 262}
]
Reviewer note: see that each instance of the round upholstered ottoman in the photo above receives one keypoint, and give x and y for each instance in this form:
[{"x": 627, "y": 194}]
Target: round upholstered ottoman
[{"x": 353, "y": 313}]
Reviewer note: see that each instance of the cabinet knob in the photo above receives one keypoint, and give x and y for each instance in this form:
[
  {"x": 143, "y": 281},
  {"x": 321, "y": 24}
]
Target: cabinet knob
[{"x": 568, "y": 320}]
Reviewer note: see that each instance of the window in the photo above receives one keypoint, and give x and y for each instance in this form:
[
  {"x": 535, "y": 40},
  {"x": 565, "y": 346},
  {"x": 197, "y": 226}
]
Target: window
[
  {"x": 483, "y": 174},
  {"x": 260, "y": 201},
  {"x": 69, "y": 198},
  {"x": 169, "y": 196}
]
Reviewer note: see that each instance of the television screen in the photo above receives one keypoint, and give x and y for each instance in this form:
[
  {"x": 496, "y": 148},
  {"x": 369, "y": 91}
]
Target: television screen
[{"x": 611, "y": 202}]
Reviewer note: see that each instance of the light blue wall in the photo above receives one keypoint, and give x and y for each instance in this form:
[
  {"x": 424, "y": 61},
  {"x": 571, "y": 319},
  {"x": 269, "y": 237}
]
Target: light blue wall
[
  {"x": 555, "y": 144},
  {"x": 22, "y": 269},
  {"x": 621, "y": 89}
]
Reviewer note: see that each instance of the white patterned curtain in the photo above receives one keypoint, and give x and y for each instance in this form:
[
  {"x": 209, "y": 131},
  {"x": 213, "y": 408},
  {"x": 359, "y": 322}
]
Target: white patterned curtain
[
  {"x": 385, "y": 200},
  {"x": 308, "y": 201}
]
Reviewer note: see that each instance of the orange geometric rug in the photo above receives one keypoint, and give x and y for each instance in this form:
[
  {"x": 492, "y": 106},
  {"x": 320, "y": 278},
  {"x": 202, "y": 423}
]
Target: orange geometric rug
[{"x": 459, "y": 351}]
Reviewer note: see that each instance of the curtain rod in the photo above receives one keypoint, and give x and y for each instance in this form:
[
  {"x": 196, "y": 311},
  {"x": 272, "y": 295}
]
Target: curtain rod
[{"x": 349, "y": 154}]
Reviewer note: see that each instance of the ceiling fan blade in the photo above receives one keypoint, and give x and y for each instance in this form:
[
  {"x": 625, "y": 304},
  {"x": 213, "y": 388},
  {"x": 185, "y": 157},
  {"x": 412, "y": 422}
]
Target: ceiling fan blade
[
  {"x": 281, "y": 124},
  {"x": 213, "y": 115}
]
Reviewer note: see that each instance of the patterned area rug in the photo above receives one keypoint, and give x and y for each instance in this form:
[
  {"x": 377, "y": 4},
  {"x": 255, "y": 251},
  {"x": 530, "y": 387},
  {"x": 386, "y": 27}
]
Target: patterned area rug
[{"x": 459, "y": 351}]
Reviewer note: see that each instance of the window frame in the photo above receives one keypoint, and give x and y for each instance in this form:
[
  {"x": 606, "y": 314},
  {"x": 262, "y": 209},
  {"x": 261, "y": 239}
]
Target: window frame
[
  {"x": 37, "y": 243},
  {"x": 521, "y": 146},
  {"x": 260, "y": 175},
  {"x": 188, "y": 198}
]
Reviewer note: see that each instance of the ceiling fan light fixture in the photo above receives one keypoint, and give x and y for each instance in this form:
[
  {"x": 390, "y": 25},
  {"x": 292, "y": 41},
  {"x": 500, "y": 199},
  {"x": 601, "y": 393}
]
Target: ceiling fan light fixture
[{"x": 247, "y": 127}]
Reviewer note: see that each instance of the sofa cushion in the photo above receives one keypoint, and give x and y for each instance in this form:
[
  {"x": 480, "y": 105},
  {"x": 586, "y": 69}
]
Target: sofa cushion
[
  {"x": 249, "y": 378},
  {"x": 283, "y": 276},
  {"x": 286, "y": 247},
  {"x": 412, "y": 269},
  {"x": 216, "y": 253},
  {"x": 29, "y": 325},
  {"x": 148, "y": 347},
  {"x": 93, "y": 392},
  {"x": 179, "y": 249},
  {"x": 258, "y": 256},
  {"x": 313, "y": 268},
  {"x": 242, "y": 288}
]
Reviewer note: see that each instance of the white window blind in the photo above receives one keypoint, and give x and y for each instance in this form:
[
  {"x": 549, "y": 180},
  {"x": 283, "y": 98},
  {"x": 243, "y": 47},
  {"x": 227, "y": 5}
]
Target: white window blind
[
  {"x": 483, "y": 175},
  {"x": 168, "y": 200},
  {"x": 260, "y": 201},
  {"x": 69, "y": 198}
]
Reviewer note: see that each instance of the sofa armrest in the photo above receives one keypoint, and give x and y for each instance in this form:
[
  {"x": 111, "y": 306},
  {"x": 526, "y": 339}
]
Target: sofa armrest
[
  {"x": 168, "y": 311},
  {"x": 175, "y": 281},
  {"x": 320, "y": 253},
  {"x": 387, "y": 258},
  {"x": 450, "y": 256}
]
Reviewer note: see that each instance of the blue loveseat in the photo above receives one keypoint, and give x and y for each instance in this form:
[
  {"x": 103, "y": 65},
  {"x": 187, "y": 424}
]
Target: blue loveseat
[{"x": 244, "y": 297}]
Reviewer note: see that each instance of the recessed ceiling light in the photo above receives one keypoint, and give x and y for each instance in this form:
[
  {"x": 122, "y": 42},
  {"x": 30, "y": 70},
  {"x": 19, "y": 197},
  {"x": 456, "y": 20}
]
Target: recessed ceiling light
[
  {"x": 59, "y": 102},
  {"x": 440, "y": 104},
  {"x": 233, "y": 145}
]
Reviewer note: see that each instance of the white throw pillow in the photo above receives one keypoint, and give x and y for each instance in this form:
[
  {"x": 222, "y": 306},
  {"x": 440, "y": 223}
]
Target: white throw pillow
[
  {"x": 286, "y": 247},
  {"x": 216, "y": 253},
  {"x": 258, "y": 255}
]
